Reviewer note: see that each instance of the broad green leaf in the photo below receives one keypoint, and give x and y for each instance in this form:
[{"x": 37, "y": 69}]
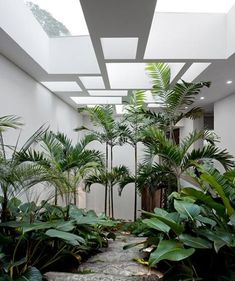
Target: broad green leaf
[
  {"x": 206, "y": 220},
  {"x": 187, "y": 209},
  {"x": 69, "y": 237},
  {"x": 32, "y": 274},
  {"x": 219, "y": 189},
  {"x": 220, "y": 238},
  {"x": 157, "y": 224},
  {"x": 169, "y": 250},
  {"x": 195, "y": 242},
  {"x": 37, "y": 226},
  {"x": 65, "y": 226},
  {"x": 176, "y": 227},
  {"x": 206, "y": 199},
  {"x": 160, "y": 212}
]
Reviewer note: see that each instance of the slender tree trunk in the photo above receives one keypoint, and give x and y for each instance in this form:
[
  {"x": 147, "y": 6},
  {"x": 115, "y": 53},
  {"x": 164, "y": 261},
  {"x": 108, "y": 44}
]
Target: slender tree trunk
[
  {"x": 135, "y": 200},
  {"x": 106, "y": 184},
  {"x": 56, "y": 196},
  {"x": 5, "y": 211},
  {"x": 111, "y": 186},
  {"x": 75, "y": 191}
]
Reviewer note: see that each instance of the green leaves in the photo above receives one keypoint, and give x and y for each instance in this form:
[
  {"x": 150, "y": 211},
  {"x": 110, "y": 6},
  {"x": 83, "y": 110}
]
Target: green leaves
[
  {"x": 186, "y": 209},
  {"x": 169, "y": 250},
  {"x": 32, "y": 274},
  {"x": 68, "y": 237},
  {"x": 157, "y": 224},
  {"x": 195, "y": 242}
]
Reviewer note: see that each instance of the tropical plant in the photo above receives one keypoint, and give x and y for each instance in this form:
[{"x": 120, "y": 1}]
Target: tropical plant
[
  {"x": 67, "y": 164},
  {"x": 177, "y": 160},
  {"x": 44, "y": 237},
  {"x": 196, "y": 240},
  {"x": 17, "y": 176},
  {"x": 112, "y": 178},
  {"x": 131, "y": 129},
  {"x": 176, "y": 98},
  {"x": 108, "y": 133}
]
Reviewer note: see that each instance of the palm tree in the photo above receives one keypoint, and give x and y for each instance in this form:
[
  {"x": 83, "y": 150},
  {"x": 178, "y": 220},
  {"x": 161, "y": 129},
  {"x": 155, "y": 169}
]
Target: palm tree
[
  {"x": 108, "y": 134},
  {"x": 131, "y": 129},
  {"x": 68, "y": 164},
  {"x": 101, "y": 176},
  {"x": 178, "y": 159},
  {"x": 175, "y": 97},
  {"x": 17, "y": 175}
]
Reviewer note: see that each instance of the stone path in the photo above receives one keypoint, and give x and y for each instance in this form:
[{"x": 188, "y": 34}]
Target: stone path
[{"x": 112, "y": 264}]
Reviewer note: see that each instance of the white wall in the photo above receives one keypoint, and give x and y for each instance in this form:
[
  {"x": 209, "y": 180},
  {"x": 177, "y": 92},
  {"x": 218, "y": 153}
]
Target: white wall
[
  {"x": 22, "y": 96},
  {"x": 224, "y": 118}
]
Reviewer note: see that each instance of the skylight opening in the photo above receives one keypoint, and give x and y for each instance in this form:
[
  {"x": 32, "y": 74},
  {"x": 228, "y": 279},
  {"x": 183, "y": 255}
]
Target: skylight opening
[
  {"x": 97, "y": 100},
  {"x": 59, "y": 18},
  {"x": 108, "y": 93},
  {"x": 62, "y": 86},
  {"x": 194, "y": 6}
]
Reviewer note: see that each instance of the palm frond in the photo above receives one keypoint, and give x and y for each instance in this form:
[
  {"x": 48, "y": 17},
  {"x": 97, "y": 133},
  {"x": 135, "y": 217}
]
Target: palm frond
[
  {"x": 161, "y": 75},
  {"x": 9, "y": 121},
  {"x": 209, "y": 152}
]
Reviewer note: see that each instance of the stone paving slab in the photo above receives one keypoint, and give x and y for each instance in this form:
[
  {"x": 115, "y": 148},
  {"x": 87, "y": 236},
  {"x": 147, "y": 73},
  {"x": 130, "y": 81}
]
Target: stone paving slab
[
  {"x": 58, "y": 276},
  {"x": 112, "y": 264}
]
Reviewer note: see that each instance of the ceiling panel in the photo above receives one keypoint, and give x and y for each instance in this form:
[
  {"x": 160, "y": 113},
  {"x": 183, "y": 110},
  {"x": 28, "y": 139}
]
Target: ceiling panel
[
  {"x": 59, "y": 86},
  {"x": 92, "y": 82},
  {"x": 119, "y": 48}
]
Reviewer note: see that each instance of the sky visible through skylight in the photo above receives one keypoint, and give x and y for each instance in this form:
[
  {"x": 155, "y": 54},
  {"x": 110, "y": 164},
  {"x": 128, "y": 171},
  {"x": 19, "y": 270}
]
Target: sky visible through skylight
[
  {"x": 68, "y": 12},
  {"x": 195, "y": 6}
]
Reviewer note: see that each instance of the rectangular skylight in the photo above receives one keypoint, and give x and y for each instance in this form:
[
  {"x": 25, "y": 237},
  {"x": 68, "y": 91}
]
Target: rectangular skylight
[
  {"x": 62, "y": 86},
  {"x": 134, "y": 75},
  {"x": 108, "y": 93},
  {"x": 194, "y": 6},
  {"x": 92, "y": 82},
  {"x": 59, "y": 18},
  {"x": 97, "y": 100},
  {"x": 120, "y": 47},
  {"x": 194, "y": 70}
]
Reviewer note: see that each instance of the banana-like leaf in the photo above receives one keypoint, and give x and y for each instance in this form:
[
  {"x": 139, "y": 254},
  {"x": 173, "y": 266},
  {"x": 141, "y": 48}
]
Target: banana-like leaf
[
  {"x": 201, "y": 197},
  {"x": 187, "y": 209},
  {"x": 68, "y": 237},
  {"x": 195, "y": 242},
  {"x": 157, "y": 224},
  {"x": 32, "y": 274},
  {"x": 170, "y": 250},
  {"x": 219, "y": 190}
]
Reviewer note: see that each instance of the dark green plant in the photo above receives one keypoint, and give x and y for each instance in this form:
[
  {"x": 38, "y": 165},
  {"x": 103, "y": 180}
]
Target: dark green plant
[
  {"x": 196, "y": 240},
  {"x": 112, "y": 178},
  {"x": 45, "y": 237}
]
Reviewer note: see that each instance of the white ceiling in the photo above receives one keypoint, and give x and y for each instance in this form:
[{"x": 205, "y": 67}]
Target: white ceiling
[{"x": 196, "y": 38}]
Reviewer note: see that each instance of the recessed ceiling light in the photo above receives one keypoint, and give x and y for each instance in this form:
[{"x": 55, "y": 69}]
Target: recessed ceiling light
[
  {"x": 229, "y": 82},
  {"x": 202, "y": 98}
]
